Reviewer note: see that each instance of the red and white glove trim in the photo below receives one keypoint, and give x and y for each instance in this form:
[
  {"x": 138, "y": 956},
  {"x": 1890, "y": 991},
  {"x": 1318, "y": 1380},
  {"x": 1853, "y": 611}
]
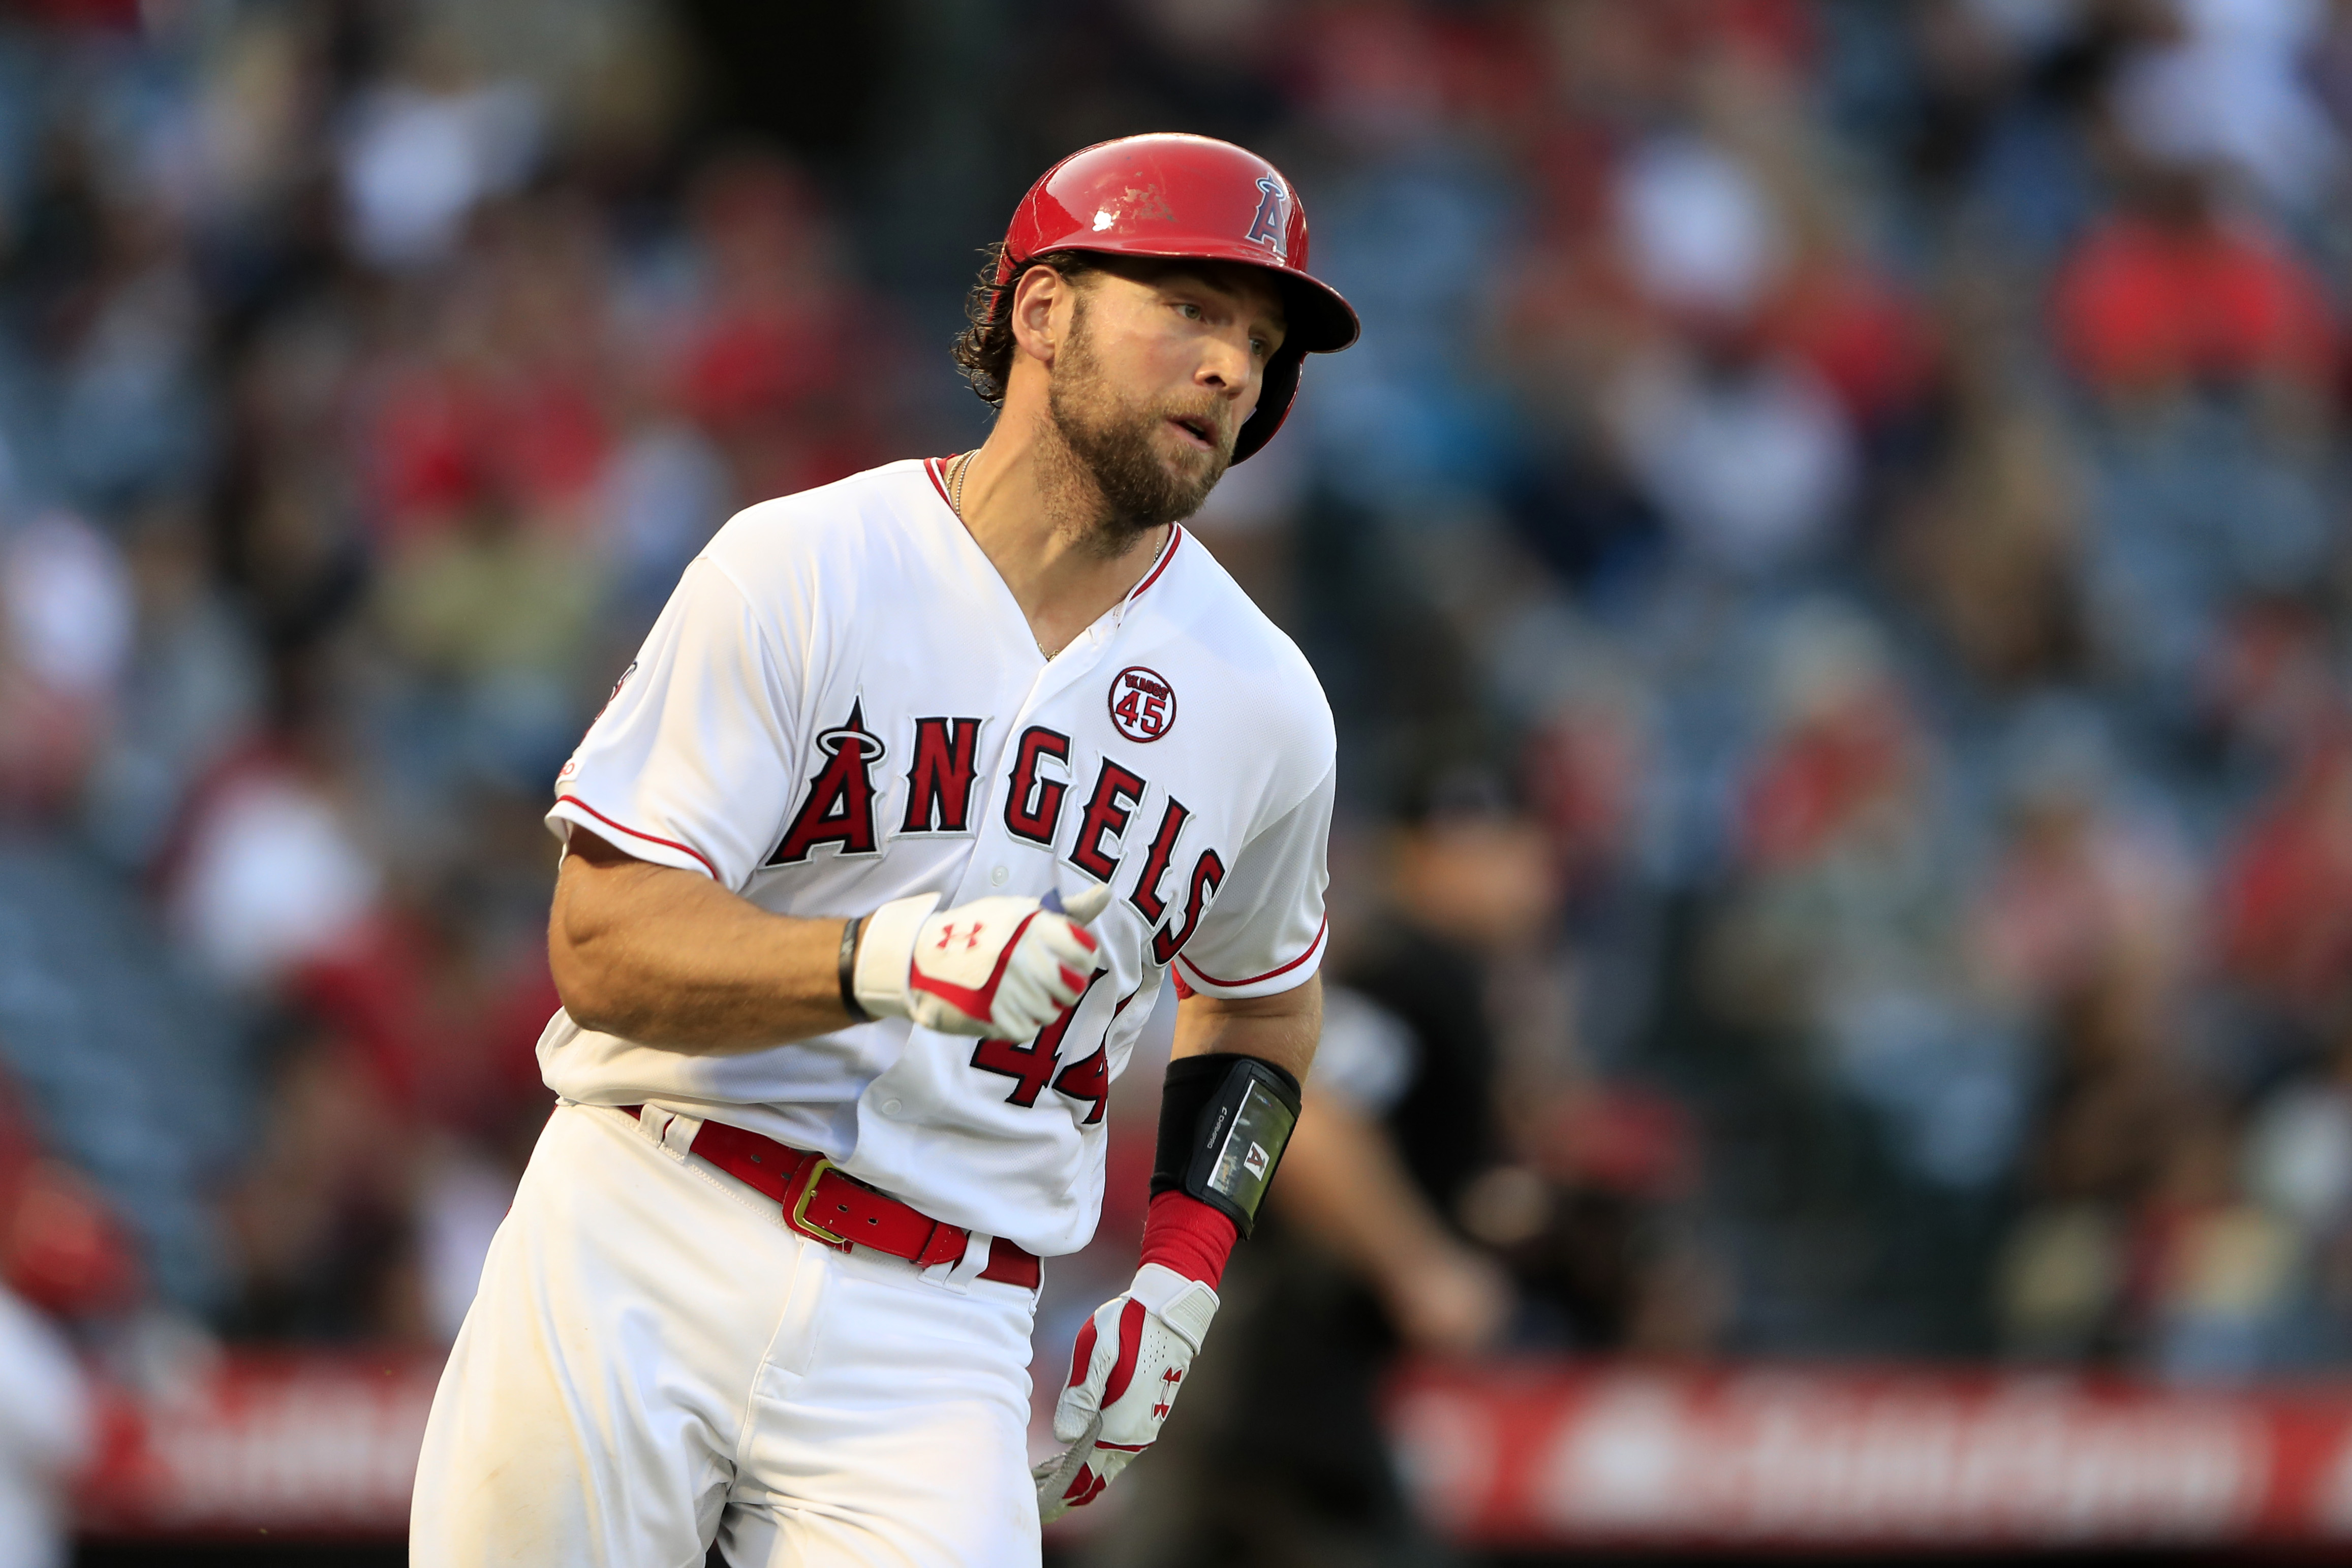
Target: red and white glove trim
[
  {"x": 1002, "y": 966},
  {"x": 1129, "y": 1360}
]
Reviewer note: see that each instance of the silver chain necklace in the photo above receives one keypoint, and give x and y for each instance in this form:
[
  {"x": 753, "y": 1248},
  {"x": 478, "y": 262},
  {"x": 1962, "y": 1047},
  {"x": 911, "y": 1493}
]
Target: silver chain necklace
[{"x": 956, "y": 471}]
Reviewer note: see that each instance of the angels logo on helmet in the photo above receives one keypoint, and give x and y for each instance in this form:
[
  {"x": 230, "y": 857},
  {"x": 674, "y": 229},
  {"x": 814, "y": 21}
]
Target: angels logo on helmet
[{"x": 1267, "y": 228}]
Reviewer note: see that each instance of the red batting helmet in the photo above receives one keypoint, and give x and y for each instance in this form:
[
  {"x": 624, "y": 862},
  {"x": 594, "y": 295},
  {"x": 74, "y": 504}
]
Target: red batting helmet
[{"x": 1171, "y": 194}]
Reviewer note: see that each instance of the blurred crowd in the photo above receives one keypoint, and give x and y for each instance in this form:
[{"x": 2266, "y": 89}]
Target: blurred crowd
[
  {"x": 1853, "y": 494},
  {"x": 1831, "y": 560}
]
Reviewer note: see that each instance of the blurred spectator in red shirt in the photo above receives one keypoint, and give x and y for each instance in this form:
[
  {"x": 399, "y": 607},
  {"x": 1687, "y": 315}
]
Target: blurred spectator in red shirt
[
  {"x": 785, "y": 366},
  {"x": 1845, "y": 767},
  {"x": 2084, "y": 883},
  {"x": 2171, "y": 291},
  {"x": 2285, "y": 894},
  {"x": 506, "y": 395}
]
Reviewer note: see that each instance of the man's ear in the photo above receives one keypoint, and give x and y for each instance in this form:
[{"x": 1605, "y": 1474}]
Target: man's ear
[{"x": 1033, "y": 298}]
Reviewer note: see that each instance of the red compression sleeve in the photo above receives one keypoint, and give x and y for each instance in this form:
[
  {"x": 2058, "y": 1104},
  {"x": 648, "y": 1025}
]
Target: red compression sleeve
[{"x": 1183, "y": 1233}]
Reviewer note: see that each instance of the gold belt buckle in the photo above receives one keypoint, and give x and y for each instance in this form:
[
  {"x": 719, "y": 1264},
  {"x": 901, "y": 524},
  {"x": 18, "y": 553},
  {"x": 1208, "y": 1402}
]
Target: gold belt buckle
[{"x": 797, "y": 1214}]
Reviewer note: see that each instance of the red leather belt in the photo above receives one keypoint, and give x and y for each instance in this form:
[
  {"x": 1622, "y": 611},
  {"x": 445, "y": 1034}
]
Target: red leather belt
[{"x": 839, "y": 1211}]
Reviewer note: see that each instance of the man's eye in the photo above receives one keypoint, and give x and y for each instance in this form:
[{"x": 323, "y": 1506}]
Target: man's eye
[
  {"x": 1191, "y": 312},
  {"x": 1259, "y": 347}
]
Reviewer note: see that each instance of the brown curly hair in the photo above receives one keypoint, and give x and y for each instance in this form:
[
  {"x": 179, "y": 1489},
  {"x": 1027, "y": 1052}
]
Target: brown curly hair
[{"x": 984, "y": 349}]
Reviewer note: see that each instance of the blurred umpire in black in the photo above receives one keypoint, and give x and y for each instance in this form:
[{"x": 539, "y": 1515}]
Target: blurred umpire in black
[{"x": 1278, "y": 1457}]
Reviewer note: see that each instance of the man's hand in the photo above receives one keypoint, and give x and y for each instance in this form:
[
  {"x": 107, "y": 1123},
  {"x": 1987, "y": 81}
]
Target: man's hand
[
  {"x": 1003, "y": 967},
  {"x": 1452, "y": 1300},
  {"x": 1129, "y": 1360}
]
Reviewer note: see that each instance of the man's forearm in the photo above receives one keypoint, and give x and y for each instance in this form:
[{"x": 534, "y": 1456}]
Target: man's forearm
[
  {"x": 1344, "y": 1183},
  {"x": 1341, "y": 1177},
  {"x": 668, "y": 957}
]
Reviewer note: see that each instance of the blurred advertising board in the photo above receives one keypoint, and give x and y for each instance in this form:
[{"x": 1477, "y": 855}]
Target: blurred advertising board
[
  {"x": 1508, "y": 1454},
  {"x": 1627, "y": 1457},
  {"x": 295, "y": 1445}
]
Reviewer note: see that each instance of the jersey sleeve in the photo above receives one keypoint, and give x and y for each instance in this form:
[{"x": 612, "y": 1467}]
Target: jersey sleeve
[
  {"x": 1266, "y": 930},
  {"x": 689, "y": 764}
]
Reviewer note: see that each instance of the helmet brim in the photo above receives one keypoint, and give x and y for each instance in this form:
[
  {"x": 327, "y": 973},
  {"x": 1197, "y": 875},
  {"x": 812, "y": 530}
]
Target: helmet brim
[{"x": 1315, "y": 319}]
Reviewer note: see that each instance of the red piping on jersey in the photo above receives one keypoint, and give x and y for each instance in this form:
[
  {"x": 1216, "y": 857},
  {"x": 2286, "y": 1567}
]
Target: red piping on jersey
[
  {"x": 1270, "y": 973},
  {"x": 1175, "y": 538},
  {"x": 649, "y": 838},
  {"x": 936, "y": 468}
]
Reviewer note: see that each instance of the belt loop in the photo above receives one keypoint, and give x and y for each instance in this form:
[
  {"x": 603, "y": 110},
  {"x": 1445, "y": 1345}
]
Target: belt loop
[
  {"x": 652, "y": 1122},
  {"x": 673, "y": 1134},
  {"x": 679, "y": 1136},
  {"x": 959, "y": 1274}
]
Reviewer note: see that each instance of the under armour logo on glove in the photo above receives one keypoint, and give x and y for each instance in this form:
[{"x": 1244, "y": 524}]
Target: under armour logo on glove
[
  {"x": 997, "y": 967},
  {"x": 1170, "y": 1377},
  {"x": 970, "y": 935},
  {"x": 1124, "y": 1372}
]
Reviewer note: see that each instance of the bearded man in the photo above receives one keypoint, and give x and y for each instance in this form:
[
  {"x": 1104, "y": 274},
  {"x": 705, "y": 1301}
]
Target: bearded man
[{"x": 921, "y": 788}]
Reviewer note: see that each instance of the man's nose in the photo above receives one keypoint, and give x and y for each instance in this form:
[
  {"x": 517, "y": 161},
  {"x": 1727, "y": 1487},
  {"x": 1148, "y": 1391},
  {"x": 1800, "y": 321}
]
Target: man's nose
[{"x": 1228, "y": 367}]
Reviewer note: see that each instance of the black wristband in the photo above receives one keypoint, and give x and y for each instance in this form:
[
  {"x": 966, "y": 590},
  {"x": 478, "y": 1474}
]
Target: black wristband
[
  {"x": 849, "y": 1002},
  {"x": 1225, "y": 1121}
]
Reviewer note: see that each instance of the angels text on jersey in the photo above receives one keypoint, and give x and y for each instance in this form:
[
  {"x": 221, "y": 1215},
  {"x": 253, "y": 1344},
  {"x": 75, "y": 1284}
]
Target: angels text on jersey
[{"x": 843, "y": 810}]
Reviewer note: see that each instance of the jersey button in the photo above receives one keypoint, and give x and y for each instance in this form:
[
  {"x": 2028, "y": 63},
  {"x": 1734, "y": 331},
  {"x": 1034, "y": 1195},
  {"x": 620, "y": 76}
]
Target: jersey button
[
  {"x": 891, "y": 1107},
  {"x": 996, "y": 878}
]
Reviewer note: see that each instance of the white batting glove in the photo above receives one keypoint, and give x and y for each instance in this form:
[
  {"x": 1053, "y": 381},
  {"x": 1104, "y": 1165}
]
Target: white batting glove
[
  {"x": 1128, "y": 1362},
  {"x": 998, "y": 967}
]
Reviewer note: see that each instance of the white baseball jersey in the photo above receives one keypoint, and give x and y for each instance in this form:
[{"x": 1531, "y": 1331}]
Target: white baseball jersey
[{"x": 842, "y": 705}]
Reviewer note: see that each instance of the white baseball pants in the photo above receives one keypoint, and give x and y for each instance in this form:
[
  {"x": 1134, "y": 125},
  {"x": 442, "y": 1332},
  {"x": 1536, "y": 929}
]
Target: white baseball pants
[{"x": 655, "y": 1361}]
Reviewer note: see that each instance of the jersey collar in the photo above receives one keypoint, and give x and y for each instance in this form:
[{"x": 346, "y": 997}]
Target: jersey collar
[
  {"x": 935, "y": 468},
  {"x": 1167, "y": 554}
]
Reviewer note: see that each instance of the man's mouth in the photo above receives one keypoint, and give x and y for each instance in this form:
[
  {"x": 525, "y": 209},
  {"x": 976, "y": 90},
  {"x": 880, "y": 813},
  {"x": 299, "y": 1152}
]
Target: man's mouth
[{"x": 1196, "y": 430}]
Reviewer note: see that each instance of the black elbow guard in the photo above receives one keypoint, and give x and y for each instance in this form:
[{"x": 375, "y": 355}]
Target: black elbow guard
[{"x": 1225, "y": 1121}]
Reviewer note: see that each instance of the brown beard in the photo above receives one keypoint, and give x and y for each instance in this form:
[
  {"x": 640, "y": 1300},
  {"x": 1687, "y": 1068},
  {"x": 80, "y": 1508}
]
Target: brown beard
[{"x": 1110, "y": 445}]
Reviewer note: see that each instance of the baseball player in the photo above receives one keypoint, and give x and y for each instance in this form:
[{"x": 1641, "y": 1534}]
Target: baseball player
[{"x": 922, "y": 785}]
